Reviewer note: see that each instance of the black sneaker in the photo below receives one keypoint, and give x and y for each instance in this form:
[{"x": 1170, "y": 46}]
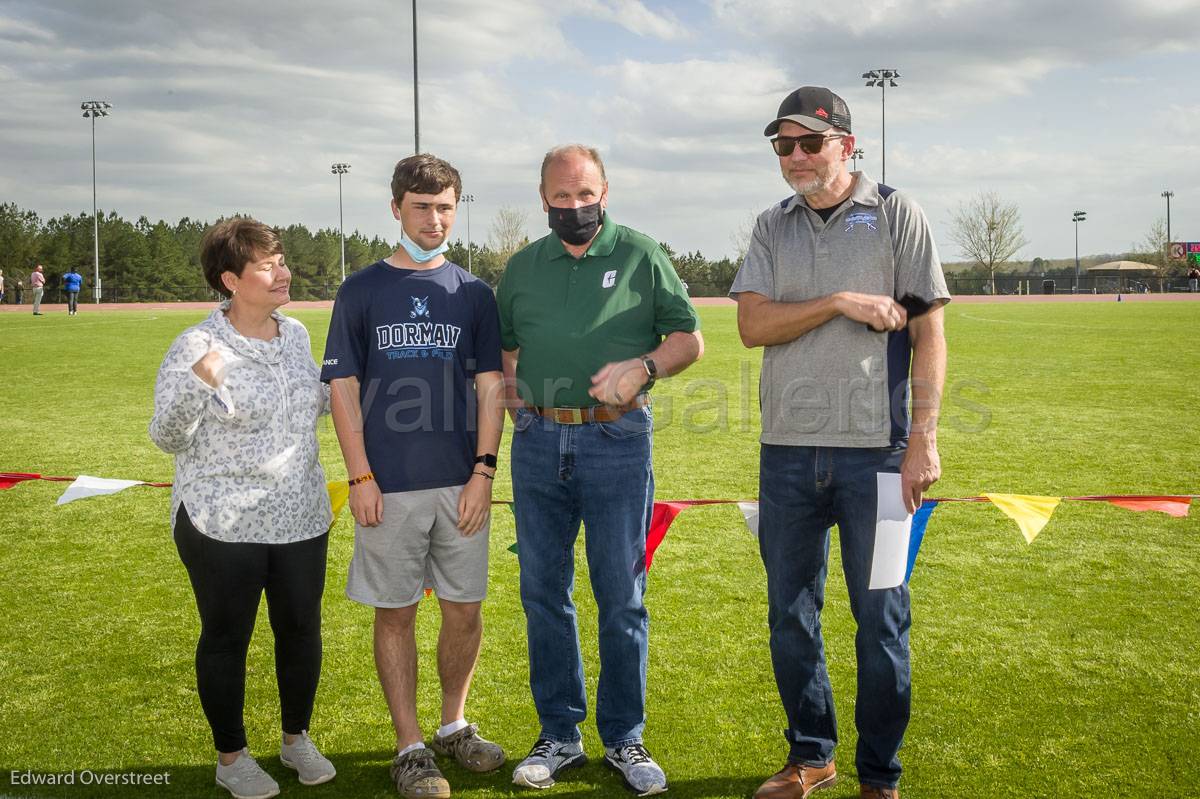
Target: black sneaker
[{"x": 545, "y": 760}]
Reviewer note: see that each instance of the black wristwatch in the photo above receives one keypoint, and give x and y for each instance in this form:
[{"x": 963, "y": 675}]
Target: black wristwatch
[
  {"x": 487, "y": 460},
  {"x": 651, "y": 372}
]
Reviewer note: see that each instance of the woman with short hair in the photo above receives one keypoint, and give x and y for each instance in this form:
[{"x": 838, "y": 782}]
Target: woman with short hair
[{"x": 237, "y": 401}]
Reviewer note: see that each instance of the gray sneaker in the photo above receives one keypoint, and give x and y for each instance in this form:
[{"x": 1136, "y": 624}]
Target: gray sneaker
[
  {"x": 546, "y": 760},
  {"x": 417, "y": 776},
  {"x": 302, "y": 756},
  {"x": 641, "y": 773},
  {"x": 245, "y": 779},
  {"x": 470, "y": 750}
]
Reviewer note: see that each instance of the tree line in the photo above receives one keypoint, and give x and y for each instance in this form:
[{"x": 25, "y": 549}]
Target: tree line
[
  {"x": 144, "y": 261},
  {"x": 988, "y": 232}
]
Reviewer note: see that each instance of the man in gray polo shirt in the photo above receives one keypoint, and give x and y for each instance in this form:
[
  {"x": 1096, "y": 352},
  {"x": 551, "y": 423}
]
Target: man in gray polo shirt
[{"x": 843, "y": 288}]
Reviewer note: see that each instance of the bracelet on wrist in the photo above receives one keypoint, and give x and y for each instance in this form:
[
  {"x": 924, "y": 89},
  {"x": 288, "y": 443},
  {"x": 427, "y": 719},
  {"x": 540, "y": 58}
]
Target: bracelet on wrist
[
  {"x": 363, "y": 478},
  {"x": 484, "y": 474}
]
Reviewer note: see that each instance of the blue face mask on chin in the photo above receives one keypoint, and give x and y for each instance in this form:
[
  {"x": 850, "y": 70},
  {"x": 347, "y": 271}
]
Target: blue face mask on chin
[{"x": 419, "y": 255}]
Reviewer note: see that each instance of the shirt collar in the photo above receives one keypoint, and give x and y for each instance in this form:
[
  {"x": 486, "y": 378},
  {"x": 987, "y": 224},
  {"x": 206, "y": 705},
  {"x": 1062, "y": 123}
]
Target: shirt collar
[{"x": 865, "y": 192}]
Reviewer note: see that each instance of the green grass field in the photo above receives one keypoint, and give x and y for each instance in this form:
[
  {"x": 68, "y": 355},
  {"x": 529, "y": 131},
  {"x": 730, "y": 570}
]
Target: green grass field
[{"x": 1065, "y": 668}]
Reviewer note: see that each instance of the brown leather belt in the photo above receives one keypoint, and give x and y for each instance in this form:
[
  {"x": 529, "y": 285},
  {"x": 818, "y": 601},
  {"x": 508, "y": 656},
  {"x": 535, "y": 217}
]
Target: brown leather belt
[{"x": 594, "y": 413}]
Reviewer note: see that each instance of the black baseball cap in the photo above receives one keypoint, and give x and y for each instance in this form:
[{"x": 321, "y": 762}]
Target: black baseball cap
[{"x": 814, "y": 107}]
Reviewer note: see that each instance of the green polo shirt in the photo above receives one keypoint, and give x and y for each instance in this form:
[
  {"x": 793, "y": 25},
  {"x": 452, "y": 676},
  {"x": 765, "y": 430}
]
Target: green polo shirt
[{"x": 569, "y": 317}]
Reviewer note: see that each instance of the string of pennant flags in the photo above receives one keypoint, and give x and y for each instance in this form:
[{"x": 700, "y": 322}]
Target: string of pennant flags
[{"x": 1030, "y": 512}]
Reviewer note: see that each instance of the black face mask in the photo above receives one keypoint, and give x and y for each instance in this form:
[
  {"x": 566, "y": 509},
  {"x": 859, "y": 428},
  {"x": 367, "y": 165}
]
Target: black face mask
[{"x": 576, "y": 225}]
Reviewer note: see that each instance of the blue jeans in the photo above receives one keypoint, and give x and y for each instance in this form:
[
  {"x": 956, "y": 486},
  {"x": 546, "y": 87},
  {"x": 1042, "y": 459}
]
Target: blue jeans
[
  {"x": 599, "y": 474},
  {"x": 802, "y": 492}
]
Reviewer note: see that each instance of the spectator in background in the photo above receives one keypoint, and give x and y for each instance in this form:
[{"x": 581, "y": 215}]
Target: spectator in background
[
  {"x": 1194, "y": 279},
  {"x": 72, "y": 282},
  {"x": 37, "y": 281},
  {"x": 1, "y": 286},
  {"x": 20, "y": 292}
]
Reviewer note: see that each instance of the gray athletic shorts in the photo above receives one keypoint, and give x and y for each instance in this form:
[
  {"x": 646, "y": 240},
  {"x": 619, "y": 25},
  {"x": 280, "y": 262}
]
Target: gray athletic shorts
[{"x": 418, "y": 546}]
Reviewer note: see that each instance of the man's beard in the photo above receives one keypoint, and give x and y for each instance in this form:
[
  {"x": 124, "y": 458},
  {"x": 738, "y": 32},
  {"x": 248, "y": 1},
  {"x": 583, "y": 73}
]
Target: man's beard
[{"x": 823, "y": 179}]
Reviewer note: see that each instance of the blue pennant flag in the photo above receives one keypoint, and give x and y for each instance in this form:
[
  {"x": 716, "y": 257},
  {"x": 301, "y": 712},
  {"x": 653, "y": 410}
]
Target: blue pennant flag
[{"x": 920, "y": 520}]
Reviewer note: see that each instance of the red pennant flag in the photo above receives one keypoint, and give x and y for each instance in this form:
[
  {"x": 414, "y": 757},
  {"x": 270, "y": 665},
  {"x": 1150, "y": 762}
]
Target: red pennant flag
[
  {"x": 1172, "y": 506},
  {"x": 660, "y": 522},
  {"x": 664, "y": 515},
  {"x": 10, "y": 479}
]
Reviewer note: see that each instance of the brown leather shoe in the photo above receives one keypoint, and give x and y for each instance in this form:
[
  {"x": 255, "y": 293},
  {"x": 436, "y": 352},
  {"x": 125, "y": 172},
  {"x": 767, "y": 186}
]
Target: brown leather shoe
[
  {"x": 797, "y": 781},
  {"x": 875, "y": 792}
]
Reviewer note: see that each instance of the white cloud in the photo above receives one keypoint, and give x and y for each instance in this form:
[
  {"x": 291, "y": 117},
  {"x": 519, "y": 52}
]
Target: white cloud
[
  {"x": 634, "y": 16},
  {"x": 229, "y": 106}
]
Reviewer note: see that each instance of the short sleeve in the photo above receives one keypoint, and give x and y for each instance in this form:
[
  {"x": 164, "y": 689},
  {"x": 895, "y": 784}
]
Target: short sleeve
[
  {"x": 487, "y": 331},
  {"x": 345, "y": 346},
  {"x": 504, "y": 302},
  {"x": 673, "y": 311},
  {"x": 757, "y": 272},
  {"x": 918, "y": 267}
]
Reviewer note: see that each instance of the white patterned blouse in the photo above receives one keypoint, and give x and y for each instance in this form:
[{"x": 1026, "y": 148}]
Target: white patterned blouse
[{"x": 246, "y": 455}]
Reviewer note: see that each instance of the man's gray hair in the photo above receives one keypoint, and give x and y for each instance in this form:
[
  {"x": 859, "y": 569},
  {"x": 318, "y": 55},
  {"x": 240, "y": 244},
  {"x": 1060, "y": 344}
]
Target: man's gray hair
[{"x": 564, "y": 150}]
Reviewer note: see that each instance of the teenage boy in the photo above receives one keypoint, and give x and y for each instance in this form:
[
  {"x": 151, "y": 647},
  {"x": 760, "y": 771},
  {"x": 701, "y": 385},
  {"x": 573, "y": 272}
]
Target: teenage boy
[{"x": 413, "y": 356}]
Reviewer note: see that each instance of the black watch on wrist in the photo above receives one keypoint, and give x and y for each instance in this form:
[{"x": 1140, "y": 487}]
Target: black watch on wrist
[
  {"x": 651, "y": 372},
  {"x": 487, "y": 460}
]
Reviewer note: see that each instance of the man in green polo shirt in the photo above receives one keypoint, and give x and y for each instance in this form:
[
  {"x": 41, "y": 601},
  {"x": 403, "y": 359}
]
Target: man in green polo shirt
[{"x": 590, "y": 316}]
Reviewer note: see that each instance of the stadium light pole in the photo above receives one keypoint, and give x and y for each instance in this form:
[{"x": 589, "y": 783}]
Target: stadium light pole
[
  {"x": 340, "y": 169},
  {"x": 882, "y": 78},
  {"x": 855, "y": 155},
  {"x": 468, "y": 199},
  {"x": 92, "y": 109},
  {"x": 416, "y": 91},
  {"x": 1077, "y": 217},
  {"x": 1168, "y": 194}
]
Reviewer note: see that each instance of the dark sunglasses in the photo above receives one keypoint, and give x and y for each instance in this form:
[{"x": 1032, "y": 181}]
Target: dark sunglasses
[{"x": 810, "y": 143}]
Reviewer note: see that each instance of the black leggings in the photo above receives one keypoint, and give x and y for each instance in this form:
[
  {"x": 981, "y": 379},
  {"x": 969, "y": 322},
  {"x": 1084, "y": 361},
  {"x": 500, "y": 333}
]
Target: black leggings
[{"x": 228, "y": 580}]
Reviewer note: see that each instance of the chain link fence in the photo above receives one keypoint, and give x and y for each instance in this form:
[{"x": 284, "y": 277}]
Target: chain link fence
[{"x": 1066, "y": 284}]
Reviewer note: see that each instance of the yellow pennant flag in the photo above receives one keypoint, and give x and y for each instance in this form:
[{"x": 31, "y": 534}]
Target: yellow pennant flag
[
  {"x": 1029, "y": 512},
  {"x": 339, "y": 494}
]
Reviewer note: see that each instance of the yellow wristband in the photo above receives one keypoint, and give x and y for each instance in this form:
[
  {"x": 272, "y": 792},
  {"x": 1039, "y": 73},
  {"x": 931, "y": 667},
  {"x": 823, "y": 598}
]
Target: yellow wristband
[{"x": 362, "y": 479}]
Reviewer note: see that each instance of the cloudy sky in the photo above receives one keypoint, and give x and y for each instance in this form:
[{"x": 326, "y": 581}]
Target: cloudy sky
[{"x": 225, "y": 106}]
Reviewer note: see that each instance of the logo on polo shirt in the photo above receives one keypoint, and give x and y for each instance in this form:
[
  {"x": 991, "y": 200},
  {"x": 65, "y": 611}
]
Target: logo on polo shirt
[
  {"x": 861, "y": 218},
  {"x": 420, "y": 308},
  {"x": 610, "y": 279}
]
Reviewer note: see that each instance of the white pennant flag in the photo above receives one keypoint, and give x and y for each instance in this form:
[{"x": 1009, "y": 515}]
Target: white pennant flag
[
  {"x": 750, "y": 511},
  {"x": 893, "y": 526},
  {"x": 86, "y": 486}
]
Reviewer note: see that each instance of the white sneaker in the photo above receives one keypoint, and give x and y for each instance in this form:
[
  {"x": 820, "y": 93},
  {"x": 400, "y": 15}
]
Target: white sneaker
[
  {"x": 546, "y": 760},
  {"x": 245, "y": 779},
  {"x": 302, "y": 756},
  {"x": 641, "y": 773}
]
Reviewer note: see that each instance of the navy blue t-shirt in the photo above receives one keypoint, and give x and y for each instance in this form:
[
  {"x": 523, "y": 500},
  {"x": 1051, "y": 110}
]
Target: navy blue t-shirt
[{"x": 415, "y": 339}]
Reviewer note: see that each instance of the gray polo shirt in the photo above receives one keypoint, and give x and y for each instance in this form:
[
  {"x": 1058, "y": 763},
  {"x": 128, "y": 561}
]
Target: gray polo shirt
[{"x": 840, "y": 384}]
